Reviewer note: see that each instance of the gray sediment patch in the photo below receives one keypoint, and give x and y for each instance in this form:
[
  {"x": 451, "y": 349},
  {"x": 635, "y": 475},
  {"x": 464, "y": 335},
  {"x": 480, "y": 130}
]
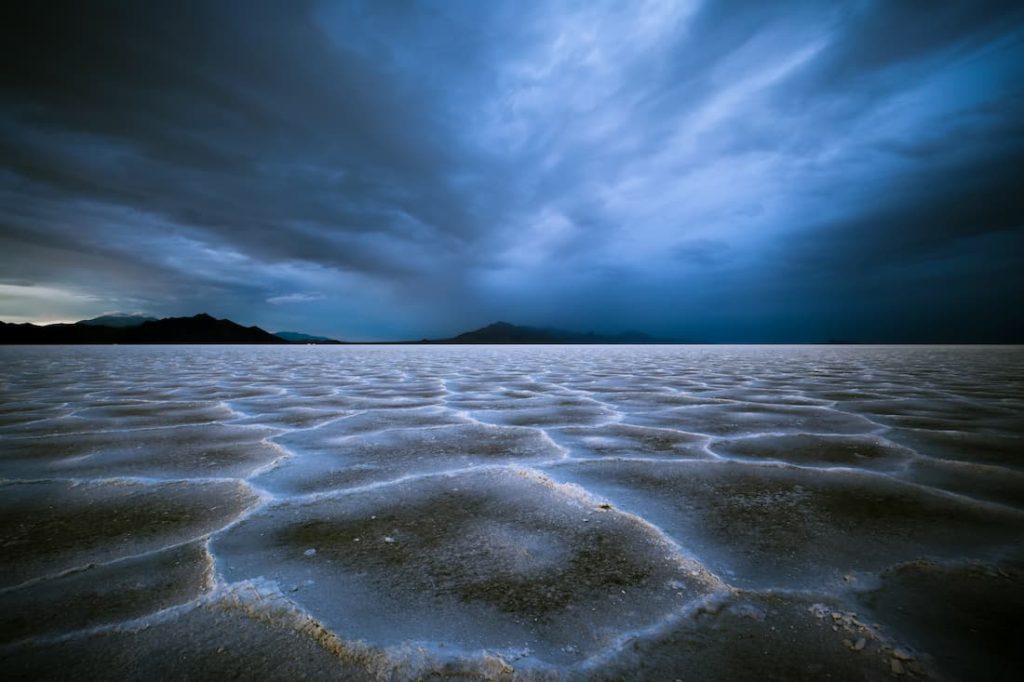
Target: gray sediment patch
[
  {"x": 205, "y": 450},
  {"x": 778, "y": 526},
  {"x": 627, "y": 441},
  {"x": 98, "y": 595},
  {"x": 47, "y": 528},
  {"x": 324, "y": 462},
  {"x": 966, "y": 618},
  {"x": 752, "y": 636},
  {"x": 497, "y": 560},
  {"x": 861, "y": 452}
]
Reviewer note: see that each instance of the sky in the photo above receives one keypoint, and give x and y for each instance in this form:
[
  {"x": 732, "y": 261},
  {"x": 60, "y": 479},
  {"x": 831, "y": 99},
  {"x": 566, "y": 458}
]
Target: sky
[{"x": 707, "y": 171}]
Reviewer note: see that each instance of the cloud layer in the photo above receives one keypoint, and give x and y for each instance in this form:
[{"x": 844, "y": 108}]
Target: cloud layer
[{"x": 739, "y": 171}]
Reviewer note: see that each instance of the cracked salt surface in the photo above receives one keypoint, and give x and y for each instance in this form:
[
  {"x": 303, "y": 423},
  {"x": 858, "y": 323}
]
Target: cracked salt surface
[{"x": 511, "y": 513}]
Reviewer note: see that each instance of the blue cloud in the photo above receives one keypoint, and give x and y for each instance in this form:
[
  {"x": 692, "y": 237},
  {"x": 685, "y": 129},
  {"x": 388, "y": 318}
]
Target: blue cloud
[{"x": 713, "y": 170}]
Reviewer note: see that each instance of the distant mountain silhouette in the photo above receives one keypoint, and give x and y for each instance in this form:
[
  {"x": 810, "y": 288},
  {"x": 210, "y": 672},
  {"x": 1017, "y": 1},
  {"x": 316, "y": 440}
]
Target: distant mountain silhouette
[
  {"x": 298, "y": 337},
  {"x": 197, "y": 329},
  {"x": 506, "y": 333},
  {"x": 117, "y": 320},
  {"x": 202, "y": 328}
]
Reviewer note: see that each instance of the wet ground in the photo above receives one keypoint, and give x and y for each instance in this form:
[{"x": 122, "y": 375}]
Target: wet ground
[{"x": 573, "y": 512}]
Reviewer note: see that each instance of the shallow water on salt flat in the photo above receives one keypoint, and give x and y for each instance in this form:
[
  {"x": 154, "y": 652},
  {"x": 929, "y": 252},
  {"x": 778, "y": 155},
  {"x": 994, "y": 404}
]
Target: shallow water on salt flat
[{"x": 580, "y": 512}]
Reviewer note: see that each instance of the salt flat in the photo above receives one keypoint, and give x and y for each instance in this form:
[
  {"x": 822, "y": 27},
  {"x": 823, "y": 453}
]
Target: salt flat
[{"x": 534, "y": 512}]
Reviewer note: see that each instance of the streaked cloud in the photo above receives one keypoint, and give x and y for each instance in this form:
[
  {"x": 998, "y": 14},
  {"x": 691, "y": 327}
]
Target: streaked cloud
[
  {"x": 295, "y": 298},
  {"x": 713, "y": 170}
]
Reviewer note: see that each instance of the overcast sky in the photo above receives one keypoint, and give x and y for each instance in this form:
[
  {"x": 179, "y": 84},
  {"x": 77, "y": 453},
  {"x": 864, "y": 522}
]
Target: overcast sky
[{"x": 716, "y": 171}]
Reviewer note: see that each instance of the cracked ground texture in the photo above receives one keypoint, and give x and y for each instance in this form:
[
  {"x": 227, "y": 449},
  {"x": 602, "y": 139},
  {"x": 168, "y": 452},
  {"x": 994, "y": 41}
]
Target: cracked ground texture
[{"x": 545, "y": 512}]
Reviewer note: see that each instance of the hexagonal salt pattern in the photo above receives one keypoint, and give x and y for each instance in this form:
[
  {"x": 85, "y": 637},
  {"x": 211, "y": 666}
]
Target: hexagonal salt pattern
[{"x": 511, "y": 513}]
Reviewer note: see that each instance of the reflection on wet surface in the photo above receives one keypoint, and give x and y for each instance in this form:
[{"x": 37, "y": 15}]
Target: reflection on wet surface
[{"x": 511, "y": 512}]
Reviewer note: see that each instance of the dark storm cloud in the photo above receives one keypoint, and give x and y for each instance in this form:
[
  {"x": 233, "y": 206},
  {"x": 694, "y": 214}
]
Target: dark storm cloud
[
  {"x": 719, "y": 170},
  {"x": 242, "y": 120}
]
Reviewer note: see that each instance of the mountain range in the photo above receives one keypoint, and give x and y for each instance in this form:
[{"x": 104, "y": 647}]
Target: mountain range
[
  {"x": 117, "y": 320},
  {"x": 119, "y": 328},
  {"x": 197, "y": 329},
  {"x": 298, "y": 337},
  {"x": 506, "y": 333}
]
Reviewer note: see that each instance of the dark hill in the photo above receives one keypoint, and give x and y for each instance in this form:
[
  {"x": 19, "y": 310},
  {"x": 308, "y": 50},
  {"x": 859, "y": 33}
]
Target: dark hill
[
  {"x": 206, "y": 329},
  {"x": 201, "y": 328},
  {"x": 505, "y": 333},
  {"x": 117, "y": 320},
  {"x": 197, "y": 329},
  {"x": 299, "y": 337}
]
